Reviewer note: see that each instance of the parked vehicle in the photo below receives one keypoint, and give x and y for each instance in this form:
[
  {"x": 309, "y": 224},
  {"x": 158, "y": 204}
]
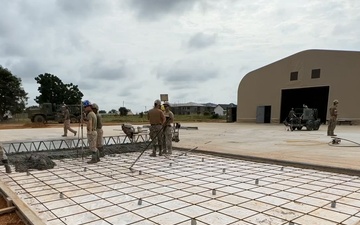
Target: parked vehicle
[{"x": 52, "y": 112}]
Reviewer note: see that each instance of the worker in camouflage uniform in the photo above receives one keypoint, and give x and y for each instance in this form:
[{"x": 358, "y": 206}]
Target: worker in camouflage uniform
[
  {"x": 91, "y": 123},
  {"x": 333, "y": 118},
  {"x": 67, "y": 127},
  {"x": 156, "y": 118},
  {"x": 167, "y": 134},
  {"x": 99, "y": 130},
  {"x": 4, "y": 159}
]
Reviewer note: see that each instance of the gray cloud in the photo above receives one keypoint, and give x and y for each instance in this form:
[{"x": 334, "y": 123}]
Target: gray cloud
[
  {"x": 82, "y": 41},
  {"x": 88, "y": 85},
  {"x": 127, "y": 90},
  {"x": 201, "y": 40},
  {"x": 11, "y": 49},
  {"x": 27, "y": 69},
  {"x": 187, "y": 74},
  {"x": 82, "y": 8},
  {"x": 154, "y": 9},
  {"x": 106, "y": 71}
]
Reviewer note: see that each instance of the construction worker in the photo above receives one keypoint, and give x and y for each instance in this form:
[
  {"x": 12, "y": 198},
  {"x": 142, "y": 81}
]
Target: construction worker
[
  {"x": 67, "y": 127},
  {"x": 156, "y": 118},
  {"x": 167, "y": 134},
  {"x": 91, "y": 123},
  {"x": 99, "y": 130},
  {"x": 4, "y": 159},
  {"x": 291, "y": 114},
  {"x": 333, "y": 118}
]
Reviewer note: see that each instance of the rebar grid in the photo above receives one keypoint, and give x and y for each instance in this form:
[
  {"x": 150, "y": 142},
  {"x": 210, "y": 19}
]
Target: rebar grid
[{"x": 189, "y": 182}]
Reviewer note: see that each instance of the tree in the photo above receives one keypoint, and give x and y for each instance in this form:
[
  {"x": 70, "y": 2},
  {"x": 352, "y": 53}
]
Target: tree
[
  {"x": 13, "y": 98},
  {"x": 113, "y": 111},
  {"x": 123, "y": 111},
  {"x": 53, "y": 90}
]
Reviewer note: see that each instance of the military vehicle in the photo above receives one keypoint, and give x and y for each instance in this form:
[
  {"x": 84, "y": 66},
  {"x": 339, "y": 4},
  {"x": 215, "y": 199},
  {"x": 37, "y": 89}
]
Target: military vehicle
[
  {"x": 304, "y": 117},
  {"x": 52, "y": 112}
]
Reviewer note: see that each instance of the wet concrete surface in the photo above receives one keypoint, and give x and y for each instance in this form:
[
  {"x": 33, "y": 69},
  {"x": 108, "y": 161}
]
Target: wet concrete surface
[{"x": 254, "y": 140}]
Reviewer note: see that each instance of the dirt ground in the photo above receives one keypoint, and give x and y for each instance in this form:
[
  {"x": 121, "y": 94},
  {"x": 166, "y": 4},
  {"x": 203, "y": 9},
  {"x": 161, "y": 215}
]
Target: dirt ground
[
  {"x": 9, "y": 218},
  {"x": 26, "y": 125}
]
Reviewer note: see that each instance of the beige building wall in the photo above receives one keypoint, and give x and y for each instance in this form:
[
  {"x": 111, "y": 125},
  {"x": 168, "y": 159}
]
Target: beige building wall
[{"x": 340, "y": 70}]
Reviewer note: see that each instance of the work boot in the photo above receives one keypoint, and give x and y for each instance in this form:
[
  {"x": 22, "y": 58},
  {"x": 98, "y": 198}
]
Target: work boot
[
  {"x": 160, "y": 151},
  {"x": 6, "y": 165},
  {"x": 94, "y": 158},
  {"x": 101, "y": 152},
  {"x": 153, "y": 154},
  {"x": 7, "y": 169},
  {"x": 98, "y": 155}
]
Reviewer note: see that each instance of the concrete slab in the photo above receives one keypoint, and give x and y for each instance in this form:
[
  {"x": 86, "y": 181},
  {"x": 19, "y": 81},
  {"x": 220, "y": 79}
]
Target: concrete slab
[
  {"x": 177, "y": 195},
  {"x": 250, "y": 140}
]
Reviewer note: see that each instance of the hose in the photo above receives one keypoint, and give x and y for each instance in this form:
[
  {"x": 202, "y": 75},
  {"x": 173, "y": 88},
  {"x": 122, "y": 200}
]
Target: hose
[{"x": 332, "y": 144}]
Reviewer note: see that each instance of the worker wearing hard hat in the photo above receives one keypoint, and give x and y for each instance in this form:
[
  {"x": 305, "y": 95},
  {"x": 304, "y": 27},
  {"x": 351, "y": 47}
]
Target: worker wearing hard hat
[
  {"x": 157, "y": 119},
  {"x": 167, "y": 134},
  {"x": 333, "y": 118},
  {"x": 91, "y": 123},
  {"x": 99, "y": 130}
]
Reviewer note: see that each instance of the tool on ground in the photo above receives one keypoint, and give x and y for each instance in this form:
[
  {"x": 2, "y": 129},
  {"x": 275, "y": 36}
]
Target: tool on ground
[
  {"x": 184, "y": 153},
  {"x": 152, "y": 140},
  {"x": 337, "y": 140}
]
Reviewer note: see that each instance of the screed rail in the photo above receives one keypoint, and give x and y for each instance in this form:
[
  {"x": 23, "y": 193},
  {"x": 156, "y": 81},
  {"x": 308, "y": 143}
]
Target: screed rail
[
  {"x": 68, "y": 143},
  {"x": 15, "y": 204}
]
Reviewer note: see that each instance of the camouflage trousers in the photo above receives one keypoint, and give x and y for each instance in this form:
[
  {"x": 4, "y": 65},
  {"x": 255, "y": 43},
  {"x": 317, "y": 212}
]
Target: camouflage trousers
[
  {"x": 99, "y": 138},
  {"x": 155, "y": 135},
  {"x": 331, "y": 126},
  {"x": 92, "y": 137},
  {"x": 67, "y": 127},
  {"x": 167, "y": 139},
  {"x": 2, "y": 153}
]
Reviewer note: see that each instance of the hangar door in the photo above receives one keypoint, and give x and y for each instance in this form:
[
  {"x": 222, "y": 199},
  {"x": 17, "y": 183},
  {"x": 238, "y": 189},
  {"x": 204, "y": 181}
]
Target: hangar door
[
  {"x": 263, "y": 114},
  {"x": 313, "y": 97}
]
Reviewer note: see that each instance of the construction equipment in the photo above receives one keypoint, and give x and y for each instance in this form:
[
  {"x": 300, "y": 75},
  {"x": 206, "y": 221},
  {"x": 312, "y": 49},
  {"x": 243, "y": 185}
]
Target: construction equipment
[
  {"x": 303, "y": 117},
  {"x": 52, "y": 112},
  {"x": 129, "y": 130}
]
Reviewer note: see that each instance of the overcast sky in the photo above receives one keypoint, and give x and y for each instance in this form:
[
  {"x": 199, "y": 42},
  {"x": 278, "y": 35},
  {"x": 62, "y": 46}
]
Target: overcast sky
[{"x": 128, "y": 52}]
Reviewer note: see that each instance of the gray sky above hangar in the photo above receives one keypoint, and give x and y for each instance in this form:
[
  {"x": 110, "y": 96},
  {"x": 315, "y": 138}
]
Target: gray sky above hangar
[{"x": 129, "y": 52}]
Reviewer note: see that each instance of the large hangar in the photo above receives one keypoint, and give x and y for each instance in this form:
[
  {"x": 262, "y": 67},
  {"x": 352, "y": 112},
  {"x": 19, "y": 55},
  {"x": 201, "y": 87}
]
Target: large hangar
[{"x": 312, "y": 77}]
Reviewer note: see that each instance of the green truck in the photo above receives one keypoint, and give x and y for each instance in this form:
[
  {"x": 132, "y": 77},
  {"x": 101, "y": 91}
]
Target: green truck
[{"x": 51, "y": 112}]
